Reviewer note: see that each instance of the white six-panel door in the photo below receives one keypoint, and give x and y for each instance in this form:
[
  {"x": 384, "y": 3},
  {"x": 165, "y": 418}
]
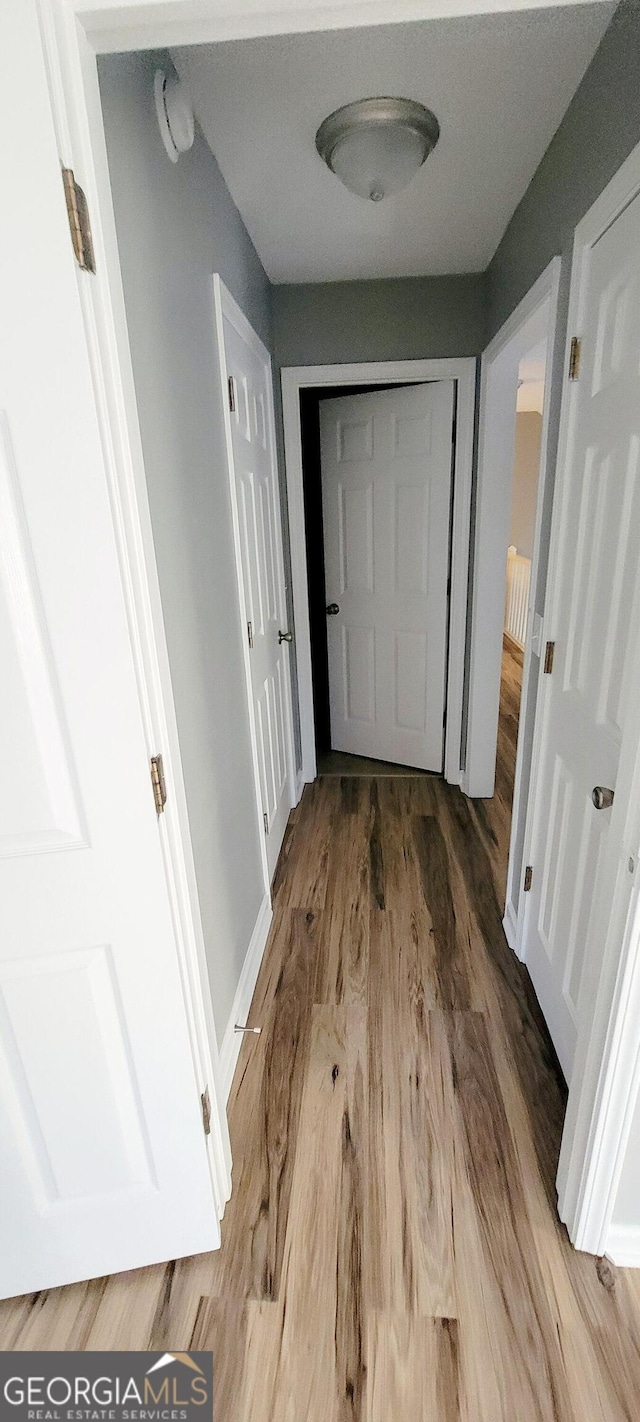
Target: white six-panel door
[
  {"x": 103, "y": 1153},
  {"x": 598, "y": 608},
  {"x": 259, "y": 533},
  {"x": 386, "y": 486}
]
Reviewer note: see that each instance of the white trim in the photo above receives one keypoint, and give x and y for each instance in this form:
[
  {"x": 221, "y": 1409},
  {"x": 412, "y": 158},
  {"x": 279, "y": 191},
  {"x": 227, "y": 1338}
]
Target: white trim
[
  {"x": 77, "y": 113},
  {"x": 496, "y": 439},
  {"x": 232, "y": 1040},
  {"x": 118, "y": 25},
  {"x": 510, "y": 925},
  {"x": 623, "y": 1246},
  {"x": 297, "y": 378},
  {"x": 225, "y": 306},
  {"x": 606, "y": 1073}
]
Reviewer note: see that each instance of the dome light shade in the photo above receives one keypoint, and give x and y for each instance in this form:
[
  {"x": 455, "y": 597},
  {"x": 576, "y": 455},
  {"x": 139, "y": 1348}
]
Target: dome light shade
[
  {"x": 174, "y": 114},
  {"x": 376, "y": 146}
]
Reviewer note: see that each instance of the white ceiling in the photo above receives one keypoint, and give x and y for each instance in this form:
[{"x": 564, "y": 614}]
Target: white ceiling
[{"x": 498, "y": 83}]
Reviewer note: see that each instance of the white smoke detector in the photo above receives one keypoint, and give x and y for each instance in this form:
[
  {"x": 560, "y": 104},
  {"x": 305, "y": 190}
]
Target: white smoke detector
[{"x": 175, "y": 114}]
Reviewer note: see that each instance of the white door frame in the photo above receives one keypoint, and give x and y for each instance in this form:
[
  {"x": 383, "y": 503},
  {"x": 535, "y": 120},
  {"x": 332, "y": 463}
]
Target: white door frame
[
  {"x": 533, "y": 319},
  {"x": 119, "y": 25},
  {"x": 225, "y": 305},
  {"x": 382, "y": 372},
  {"x": 606, "y": 1075}
]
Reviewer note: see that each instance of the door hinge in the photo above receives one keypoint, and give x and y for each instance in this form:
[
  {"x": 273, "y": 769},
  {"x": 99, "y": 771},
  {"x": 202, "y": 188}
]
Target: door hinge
[
  {"x": 232, "y": 394},
  {"x": 250, "y": 633},
  {"x": 574, "y": 357},
  {"x": 79, "y": 225},
  {"x": 265, "y": 821},
  {"x": 528, "y": 877},
  {"x": 549, "y": 653},
  {"x": 158, "y": 782},
  {"x": 205, "y": 1102}
]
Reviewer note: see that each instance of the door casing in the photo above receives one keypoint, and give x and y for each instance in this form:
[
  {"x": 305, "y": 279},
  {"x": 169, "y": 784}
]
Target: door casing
[{"x": 389, "y": 372}]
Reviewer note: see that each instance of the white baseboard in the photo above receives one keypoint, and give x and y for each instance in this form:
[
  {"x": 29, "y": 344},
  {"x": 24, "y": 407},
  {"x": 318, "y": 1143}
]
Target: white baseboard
[
  {"x": 514, "y": 641},
  {"x": 623, "y": 1246},
  {"x": 510, "y": 925},
  {"x": 299, "y": 787},
  {"x": 244, "y": 992}
]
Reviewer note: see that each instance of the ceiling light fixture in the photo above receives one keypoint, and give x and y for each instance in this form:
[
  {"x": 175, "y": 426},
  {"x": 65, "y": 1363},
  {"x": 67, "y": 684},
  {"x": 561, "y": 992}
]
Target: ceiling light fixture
[{"x": 376, "y": 146}]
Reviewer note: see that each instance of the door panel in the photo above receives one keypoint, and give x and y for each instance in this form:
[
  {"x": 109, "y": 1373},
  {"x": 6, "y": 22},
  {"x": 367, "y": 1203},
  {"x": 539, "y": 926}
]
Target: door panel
[
  {"x": 104, "y": 1159},
  {"x": 255, "y": 478},
  {"x": 598, "y": 602},
  {"x": 386, "y": 481},
  {"x": 39, "y": 808},
  {"x": 73, "y": 997}
]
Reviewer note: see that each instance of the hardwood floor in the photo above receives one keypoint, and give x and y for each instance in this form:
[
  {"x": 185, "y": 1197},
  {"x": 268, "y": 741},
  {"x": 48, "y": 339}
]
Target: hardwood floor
[{"x": 391, "y": 1248}]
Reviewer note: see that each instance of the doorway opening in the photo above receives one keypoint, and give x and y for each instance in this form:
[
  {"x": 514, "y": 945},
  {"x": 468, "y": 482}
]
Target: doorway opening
[
  {"x": 525, "y": 483},
  {"x": 517, "y": 437},
  {"x": 306, "y": 391},
  {"x": 314, "y": 411}
]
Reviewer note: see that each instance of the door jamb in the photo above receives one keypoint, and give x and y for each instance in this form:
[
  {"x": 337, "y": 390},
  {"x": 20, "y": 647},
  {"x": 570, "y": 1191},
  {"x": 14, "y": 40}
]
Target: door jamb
[
  {"x": 225, "y": 306},
  {"x": 400, "y": 372}
]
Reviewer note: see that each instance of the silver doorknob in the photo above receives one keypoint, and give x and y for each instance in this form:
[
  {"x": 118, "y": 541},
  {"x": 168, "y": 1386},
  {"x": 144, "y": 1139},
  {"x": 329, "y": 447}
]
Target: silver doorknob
[
  {"x": 285, "y": 637},
  {"x": 333, "y": 609},
  {"x": 602, "y": 797}
]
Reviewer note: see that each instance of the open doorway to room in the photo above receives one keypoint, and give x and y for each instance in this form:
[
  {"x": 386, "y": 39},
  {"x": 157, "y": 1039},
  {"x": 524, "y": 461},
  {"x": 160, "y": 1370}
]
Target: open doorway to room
[
  {"x": 513, "y": 521},
  {"x": 522, "y": 535},
  {"x": 378, "y": 475},
  {"x": 365, "y": 509}
]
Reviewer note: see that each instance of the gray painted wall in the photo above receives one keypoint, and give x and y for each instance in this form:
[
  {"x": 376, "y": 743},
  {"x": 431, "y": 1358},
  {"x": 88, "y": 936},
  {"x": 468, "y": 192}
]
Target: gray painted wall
[
  {"x": 598, "y": 131},
  {"x": 176, "y": 225},
  {"x": 412, "y": 318}
]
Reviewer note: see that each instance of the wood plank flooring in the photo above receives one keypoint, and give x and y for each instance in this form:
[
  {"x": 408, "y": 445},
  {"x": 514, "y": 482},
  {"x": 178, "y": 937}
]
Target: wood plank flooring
[{"x": 391, "y": 1248}]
